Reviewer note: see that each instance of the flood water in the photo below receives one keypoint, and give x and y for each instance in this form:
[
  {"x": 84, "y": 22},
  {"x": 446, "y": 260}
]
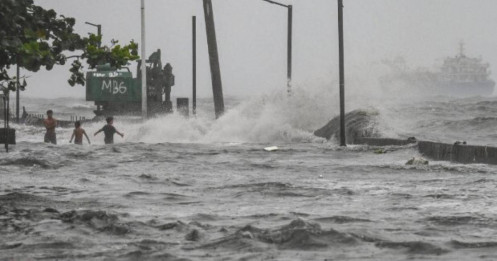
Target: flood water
[{"x": 199, "y": 189}]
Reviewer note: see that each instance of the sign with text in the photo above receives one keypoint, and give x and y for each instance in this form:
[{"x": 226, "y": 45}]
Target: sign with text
[{"x": 112, "y": 86}]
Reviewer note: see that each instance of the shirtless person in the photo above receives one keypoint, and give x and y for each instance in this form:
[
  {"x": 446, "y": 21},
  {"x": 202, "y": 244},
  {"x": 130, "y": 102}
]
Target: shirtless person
[
  {"x": 109, "y": 131},
  {"x": 78, "y": 133},
  {"x": 50, "y": 124}
]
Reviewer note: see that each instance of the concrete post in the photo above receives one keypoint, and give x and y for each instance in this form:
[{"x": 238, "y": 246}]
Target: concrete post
[{"x": 143, "y": 64}]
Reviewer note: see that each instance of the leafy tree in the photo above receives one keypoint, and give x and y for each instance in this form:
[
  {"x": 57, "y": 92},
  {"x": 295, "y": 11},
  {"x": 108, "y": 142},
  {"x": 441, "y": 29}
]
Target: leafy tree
[
  {"x": 115, "y": 55},
  {"x": 33, "y": 37}
]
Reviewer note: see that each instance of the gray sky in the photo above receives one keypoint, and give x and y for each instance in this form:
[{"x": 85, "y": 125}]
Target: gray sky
[{"x": 252, "y": 39}]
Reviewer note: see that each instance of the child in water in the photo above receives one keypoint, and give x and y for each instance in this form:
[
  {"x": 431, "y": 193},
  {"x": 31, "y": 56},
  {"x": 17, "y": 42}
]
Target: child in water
[
  {"x": 78, "y": 133},
  {"x": 109, "y": 131}
]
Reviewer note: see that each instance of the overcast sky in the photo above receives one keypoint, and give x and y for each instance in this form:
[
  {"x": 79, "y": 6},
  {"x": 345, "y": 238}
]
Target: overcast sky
[{"x": 252, "y": 39}]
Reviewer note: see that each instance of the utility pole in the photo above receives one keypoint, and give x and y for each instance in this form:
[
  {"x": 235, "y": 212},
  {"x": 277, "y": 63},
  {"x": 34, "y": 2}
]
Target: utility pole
[
  {"x": 217, "y": 86},
  {"x": 342, "y": 74},
  {"x": 194, "y": 65},
  {"x": 143, "y": 65}
]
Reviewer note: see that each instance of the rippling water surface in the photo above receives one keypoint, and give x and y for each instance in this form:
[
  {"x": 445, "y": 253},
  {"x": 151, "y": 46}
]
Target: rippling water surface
[{"x": 196, "y": 189}]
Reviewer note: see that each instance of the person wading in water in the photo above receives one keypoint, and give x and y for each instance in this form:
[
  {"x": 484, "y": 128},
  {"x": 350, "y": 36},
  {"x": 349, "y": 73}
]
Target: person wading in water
[
  {"x": 109, "y": 131},
  {"x": 50, "y": 124},
  {"x": 78, "y": 133}
]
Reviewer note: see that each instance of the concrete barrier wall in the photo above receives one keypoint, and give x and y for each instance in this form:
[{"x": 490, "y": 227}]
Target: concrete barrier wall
[
  {"x": 383, "y": 142},
  {"x": 436, "y": 150},
  {"x": 460, "y": 153}
]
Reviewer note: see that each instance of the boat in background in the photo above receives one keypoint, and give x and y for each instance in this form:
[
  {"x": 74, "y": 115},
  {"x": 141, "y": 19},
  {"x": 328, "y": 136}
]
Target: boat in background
[{"x": 459, "y": 76}]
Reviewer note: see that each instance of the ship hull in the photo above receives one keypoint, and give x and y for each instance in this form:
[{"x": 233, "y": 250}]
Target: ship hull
[
  {"x": 432, "y": 87},
  {"x": 465, "y": 89}
]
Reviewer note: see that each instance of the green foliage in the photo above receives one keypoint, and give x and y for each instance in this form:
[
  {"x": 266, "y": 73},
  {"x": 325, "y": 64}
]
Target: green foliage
[
  {"x": 33, "y": 37},
  {"x": 77, "y": 76},
  {"x": 116, "y": 56}
]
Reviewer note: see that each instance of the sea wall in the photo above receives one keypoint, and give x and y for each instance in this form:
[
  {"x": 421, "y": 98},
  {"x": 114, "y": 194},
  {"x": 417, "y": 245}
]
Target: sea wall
[
  {"x": 437, "y": 151},
  {"x": 383, "y": 141},
  {"x": 361, "y": 129},
  {"x": 458, "y": 152}
]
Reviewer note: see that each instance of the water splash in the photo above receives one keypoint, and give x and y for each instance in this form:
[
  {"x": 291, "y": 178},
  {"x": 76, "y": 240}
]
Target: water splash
[{"x": 272, "y": 118}]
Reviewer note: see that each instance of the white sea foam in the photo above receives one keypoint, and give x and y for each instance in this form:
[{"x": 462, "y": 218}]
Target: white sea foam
[{"x": 271, "y": 118}]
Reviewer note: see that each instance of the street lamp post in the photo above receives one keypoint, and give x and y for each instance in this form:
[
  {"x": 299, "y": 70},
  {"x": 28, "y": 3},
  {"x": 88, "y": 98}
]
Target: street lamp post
[
  {"x": 99, "y": 31},
  {"x": 289, "y": 43}
]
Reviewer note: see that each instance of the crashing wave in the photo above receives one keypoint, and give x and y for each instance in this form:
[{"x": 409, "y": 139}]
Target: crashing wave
[{"x": 358, "y": 123}]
